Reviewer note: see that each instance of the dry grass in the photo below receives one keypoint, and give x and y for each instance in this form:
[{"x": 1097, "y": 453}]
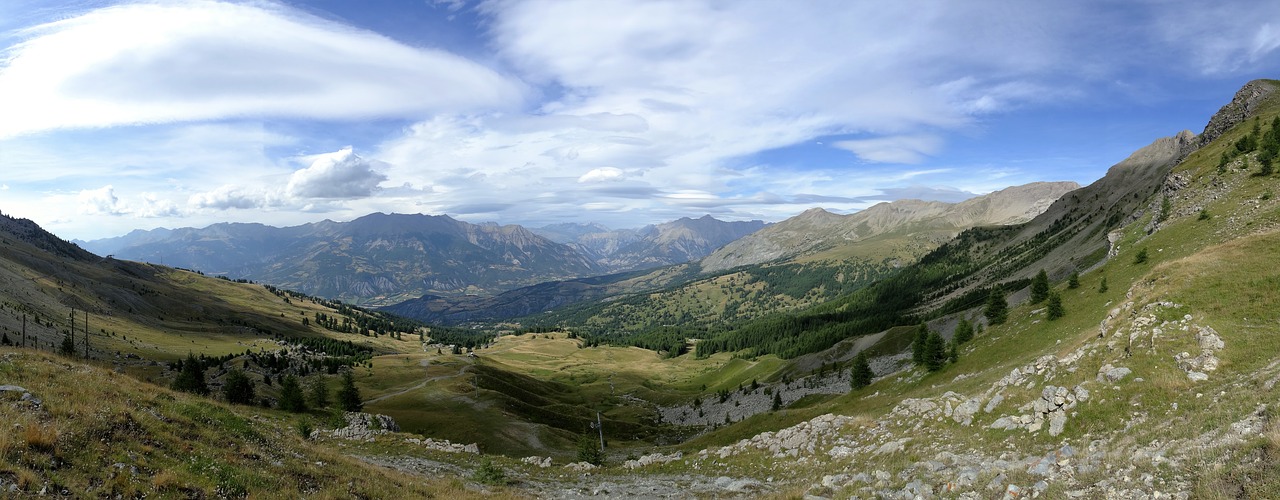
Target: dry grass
[{"x": 40, "y": 436}]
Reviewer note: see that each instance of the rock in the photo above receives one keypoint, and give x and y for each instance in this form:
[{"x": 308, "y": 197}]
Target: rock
[
  {"x": 1113, "y": 374},
  {"x": 963, "y": 413},
  {"x": 892, "y": 446},
  {"x": 538, "y": 461},
  {"x": 1056, "y": 422},
  {"x": 991, "y": 405},
  {"x": 582, "y": 467},
  {"x": 1005, "y": 423},
  {"x": 1209, "y": 339},
  {"x": 1197, "y": 376}
]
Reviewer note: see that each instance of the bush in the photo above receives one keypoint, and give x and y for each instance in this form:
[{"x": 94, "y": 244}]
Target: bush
[
  {"x": 304, "y": 428},
  {"x": 488, "y": 473},
  {"x": 1141, "y": 257}
]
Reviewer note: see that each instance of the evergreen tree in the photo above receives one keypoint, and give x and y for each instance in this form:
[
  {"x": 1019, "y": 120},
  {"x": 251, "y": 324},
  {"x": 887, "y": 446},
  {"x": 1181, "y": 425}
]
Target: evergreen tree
[
  {"x": 935, "y": 352},
  {"x": 348, "y": 394},
  {"x": 68, "y": 346},
  {"x": 1039, "y": 287},
  {"x": 953, "y": 354},
  {"x": 291, "y": 399},
  {"x": 1102, "y": 286},
  {"x": 1073, "y": 282},
  {"x": 918, "y": 345},
  {"x": 317, "y": 392},
  {"x": 861, "y": 375},
  {"x": 1055, "y": 307},
  {"x": 191, "y": 377},
  {"x": 1166, "y": 208},
  {"x": 777, "y": 401},
  {"x": 1141, "y": 257},
  {"x": 589, "y": 448},
  {"x": 997, "y": 310},
  {"x": 238, "y": 389},
  {"x": 964, "y": 332}
]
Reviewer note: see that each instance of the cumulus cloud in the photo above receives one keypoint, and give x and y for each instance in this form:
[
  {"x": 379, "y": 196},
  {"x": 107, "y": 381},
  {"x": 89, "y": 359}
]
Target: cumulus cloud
[
  {"x": 167, "y": 62},
  {"x": 101, "y": 201},
  {"x": 338, "y": 175},
  {"x": 897, "y": 149}
]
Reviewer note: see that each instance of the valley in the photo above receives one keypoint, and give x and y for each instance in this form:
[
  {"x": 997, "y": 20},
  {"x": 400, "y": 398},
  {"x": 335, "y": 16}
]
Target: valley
[{"x": 1135, "y": 357}]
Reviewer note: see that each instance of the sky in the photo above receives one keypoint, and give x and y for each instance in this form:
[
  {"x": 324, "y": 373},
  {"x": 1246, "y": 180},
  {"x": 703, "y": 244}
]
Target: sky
[{"x": 117, "y": 116}]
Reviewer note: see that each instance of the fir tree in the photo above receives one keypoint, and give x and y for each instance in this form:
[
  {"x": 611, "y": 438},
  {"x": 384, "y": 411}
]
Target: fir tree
[
  {"x": 953, "y": 354},
  {"x": 68, "y": 346},
  {"x": 1039, "y": 287},
  {"x": 317, "y": 392},
  {"x": 191, "y": 377},
  {"x": 1073, "y": 282},
  {"x": 1141, "y": 257},
  {"x": 348, "y": 394},
  {"x": 1055, "y": 307},
  {"x": 777, "y": 401},
  {"x": 997, "y": 310},
  {"x": 918, "y": 345},
  {"x": 1102, "y": 286},
  {"x": 935, "y": 352},
  {"x": 238, "y": 389},
  {"x": 964, "y": 332},
  {"x": 291, "y": 395},
  {"x": 1166, "y": 208},
  {"x": 861, "y": 375}
]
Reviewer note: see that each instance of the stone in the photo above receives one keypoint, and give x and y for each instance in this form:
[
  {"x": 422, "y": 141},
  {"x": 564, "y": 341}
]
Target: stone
[
  {"x": 1056, "y": 422},
  {"x": 964, "y": 412},
  {"x": 1114, "y": 374},
  {"x": 991, "y": 405},
  {"x": 1198, "y": 376}
]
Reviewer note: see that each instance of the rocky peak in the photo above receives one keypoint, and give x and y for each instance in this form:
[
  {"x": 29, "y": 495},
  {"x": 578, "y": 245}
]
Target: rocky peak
[{"x": 1245, "y": 103}]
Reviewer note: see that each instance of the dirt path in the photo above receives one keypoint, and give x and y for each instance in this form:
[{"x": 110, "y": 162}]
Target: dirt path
[{"x": 425, "y": 363}]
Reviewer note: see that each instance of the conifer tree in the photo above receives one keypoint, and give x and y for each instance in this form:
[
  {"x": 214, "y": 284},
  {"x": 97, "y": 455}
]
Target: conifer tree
[
  {"x": 1102, "y": 286},
  {"x": 861, "y": 375},
  {"x": 237, "y": 388},
  {"x": 777, "y": 401},
  {"x": 348, "y": 394},
  {"x": 1055, "y": 307},
  {"x": 1073, "y": 282},
  {"x": 935, "y": 352},
  {"x": 1140, "y": 257},
  {"x": 964, "y": 332},
  {"x": 317, "y": 392},
  {"x": 1039, "y": 287},
  {"x": 953, "y": 354},
  {"x": 918, "y": 345},
  {"x": 291, "y": 395},
  {"x": 191, "y": 377},
  {"x": 997, "y": 310},
  {"x": 68, "y": 346}
]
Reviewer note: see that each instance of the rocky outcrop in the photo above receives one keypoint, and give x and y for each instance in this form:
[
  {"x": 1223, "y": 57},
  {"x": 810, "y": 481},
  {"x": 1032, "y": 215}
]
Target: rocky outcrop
[
  {"x": 365, "y": 426},
  {"x": 1242, "y": 106}
]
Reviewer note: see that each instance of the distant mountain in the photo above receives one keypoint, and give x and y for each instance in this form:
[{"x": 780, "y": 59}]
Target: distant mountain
[
  {"x": 929, "y": 223},
  {"x": 377, "y": 258},
  {"x": 675, "y": 242}
]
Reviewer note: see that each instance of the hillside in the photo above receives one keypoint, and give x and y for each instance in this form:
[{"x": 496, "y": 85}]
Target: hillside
[{"x": 818, "y": 234}]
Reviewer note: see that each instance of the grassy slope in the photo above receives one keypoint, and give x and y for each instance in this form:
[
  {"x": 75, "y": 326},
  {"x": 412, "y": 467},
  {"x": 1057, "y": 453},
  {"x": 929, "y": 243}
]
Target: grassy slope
[{"x": 99, "y": 433}]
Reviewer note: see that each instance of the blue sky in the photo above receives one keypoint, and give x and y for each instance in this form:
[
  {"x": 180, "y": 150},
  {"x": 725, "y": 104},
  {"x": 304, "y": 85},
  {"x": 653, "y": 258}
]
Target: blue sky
[{"x": 124, "y": 115}]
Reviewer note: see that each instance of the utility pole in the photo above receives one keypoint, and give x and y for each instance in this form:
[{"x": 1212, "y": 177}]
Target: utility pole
[{"x": 600, "y": 427}]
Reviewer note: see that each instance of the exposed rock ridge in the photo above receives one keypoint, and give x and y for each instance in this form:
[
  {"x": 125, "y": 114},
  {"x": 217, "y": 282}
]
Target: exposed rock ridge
[{"x": 1242, "y": 106}]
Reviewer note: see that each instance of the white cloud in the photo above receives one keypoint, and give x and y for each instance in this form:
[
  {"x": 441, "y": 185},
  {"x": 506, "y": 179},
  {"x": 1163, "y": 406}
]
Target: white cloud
[
  {"x": 228, "y": 197},
  {"x": 198, "y": 60},
  {"x": 101, "y": 201},
  {"x": 337, "y": 175},
  {"x": 602, "y": 174},
  {"x": 896, "y": 149}
]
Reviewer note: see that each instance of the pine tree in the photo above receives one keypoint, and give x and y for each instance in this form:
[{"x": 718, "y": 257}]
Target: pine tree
[
  {"x": 1073, "y": 282},
  {"x": 935, "y": 352},
  {"x": 777, "y": 401},
  {"x": 861, "y": 375},
  {"x": 191, "y": 377},
  {"x": 317, "y": 392},
  {"x": 1141, "y": 257},
  {"x": 953, "y": 354},
  {"x": 68, "y": 346},
  {"x": 291, "y": 395},
  {"x": 1039, "y": 287},
  {"x": 238, "y": 389},
  {"x": 1055, "y": 307},
  {"x": 1102, "y": 286},
  {"x": 918, "y": 345},
  {"x": 1166, "y": 208},
  {"x": 997, "y": 310},
  {"x": 964, "y": 332},
  {"x": 348, "y": 394}
]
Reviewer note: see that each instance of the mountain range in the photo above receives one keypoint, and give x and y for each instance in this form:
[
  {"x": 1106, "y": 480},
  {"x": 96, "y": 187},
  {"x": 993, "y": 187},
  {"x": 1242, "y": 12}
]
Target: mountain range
[{"x": 387, "y": 258}]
